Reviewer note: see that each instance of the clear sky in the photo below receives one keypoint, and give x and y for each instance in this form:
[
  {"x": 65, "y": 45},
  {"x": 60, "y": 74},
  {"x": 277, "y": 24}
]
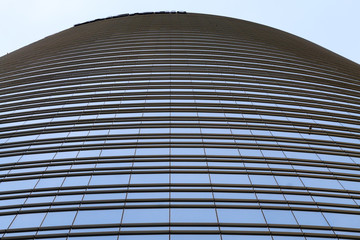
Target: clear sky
[{"x": 333, "y": 24}]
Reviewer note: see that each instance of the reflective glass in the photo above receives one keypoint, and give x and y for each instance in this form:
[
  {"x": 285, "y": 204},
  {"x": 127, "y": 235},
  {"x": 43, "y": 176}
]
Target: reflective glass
[
  {"x": 343, "y": 220},
  {"x": 59, "y": 218},
  {"x": 109, "y": 179},
  {"x": 240, "y": 216},
  {"x": 229, "y": 179},
  {"x": 310, "y": 218},
  {"x": 190, "y": 178},
  {"x": 5, "y": 221},
  {"x": 27, "y": 220},
  {"x": 279, "y": 217},
  {"x": 103, "y": 216},
  {"x": 192, "y": 215},
  {"x": 144, "y": 237},
  {"x": 146, "y": 215}
]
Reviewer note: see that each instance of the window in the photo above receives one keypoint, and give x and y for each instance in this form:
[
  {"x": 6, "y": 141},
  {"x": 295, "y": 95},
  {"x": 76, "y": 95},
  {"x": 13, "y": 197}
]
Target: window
[
  {"x": 59, "y": 218},
  {"x": 98, "y": 216},
  {"x": 229, "y": 215},
  {"x": 146, "y": 215},
  {"x": 189, "y": 215}
]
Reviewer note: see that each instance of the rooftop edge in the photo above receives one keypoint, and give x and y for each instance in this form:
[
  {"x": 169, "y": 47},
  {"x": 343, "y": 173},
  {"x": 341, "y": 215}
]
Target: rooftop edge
[{"x": 131, "y": 14}]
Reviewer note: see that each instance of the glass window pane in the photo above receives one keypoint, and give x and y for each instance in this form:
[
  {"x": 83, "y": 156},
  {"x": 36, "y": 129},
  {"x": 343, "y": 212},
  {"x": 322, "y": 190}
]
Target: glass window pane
[
  {"x": 50, "y": 182},
  {"x": 5, "y": 221},
  {"x": 98, "y": 216},
  {"x": 117, "y": 152},
  {"x": 230, "y": 179},
  {"x": 12, "y": 185},
  {"x": 76, "y": 181},
  {"x": 310, "y": 218},
  {"x": 146, "y": 215},
  {"x": 245, "y": 237},
  {"x": 222, "y": 151},
  {"x": 263, "y": 179},
  {"x": 152, "y": 151},
  {"x": 279, "y": 217},
  {"x": 343, "y": 220},
  {"x": 149, "y": 178},
  {"x": 187, "y": 151},
  {"x": 28, "y": 220},
  {"x": 143, "y": 237},
  {"x": 240, "y": 216},
  {"x": 193, "y": 215},
  {"x": 190, "y": 178},
  {"x": 93, "y": 238},
  {"x": 59, "y": 218},
  {"x": 109, "y": 179},
  {"x": 195, "y": 236}
]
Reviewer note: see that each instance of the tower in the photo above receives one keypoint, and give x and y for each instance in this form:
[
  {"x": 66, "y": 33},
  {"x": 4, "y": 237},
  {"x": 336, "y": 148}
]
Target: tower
[{"x": 178, "y": 126}]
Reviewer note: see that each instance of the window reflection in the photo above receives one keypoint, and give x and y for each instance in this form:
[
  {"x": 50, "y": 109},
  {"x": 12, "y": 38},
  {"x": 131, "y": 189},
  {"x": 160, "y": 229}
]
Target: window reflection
[
  {"x": 27, "y": 220},
  {"x": 192, "y": 215},
  {"x": 146, "y": 215},
  {"x": 240, "y": 216},
  {"x": 98, "y": 216},
  {"x": 59, "y": 218}
]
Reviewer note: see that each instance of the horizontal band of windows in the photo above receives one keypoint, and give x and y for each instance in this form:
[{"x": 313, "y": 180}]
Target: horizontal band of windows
[
  {"x": 158, "y": 122},
  {"x": 195, "y": 149},
  {"x": 326, "y": 196},
  {"x": 297, "y": 156},
  {"x": 112, "y": 101},
  {"x": 123, "y": 133},
  {"x": 172, "y": 104},
  {"x": 199, "y": 230},
  {"x": 137, "y": 90},
  {"x": 321, "y": 122},
  {"x": 178, "y": 92},
  {"x": 175, "y": 206},
  {"x": 137, "y": 80},
  {"x": 252, "y": 154},
  {"x": 290, "y": 165},
  {"x": 126, "y": 42},
  {"x": 176, "y": 58},
  {"x": 187, "y": 39},
  {"x": 256, "y": 175},
  {"x": 91, "y": 141},
  {"x": 222, "y": 136},
  {"x": 202, "y": 48},
  {"x": 213, "y": 156},
  {"x": 180, "y": 56},
  {"x": 190, "y": 169},
  {"x": 180, "y": 118},
  {"x": 173, "y": 201},
  {"x": 176, "y": 134},
  {"x": 210, "y": 70},
  {"x": 194, "y": 71},
  {"x": 180, "y": 47}
]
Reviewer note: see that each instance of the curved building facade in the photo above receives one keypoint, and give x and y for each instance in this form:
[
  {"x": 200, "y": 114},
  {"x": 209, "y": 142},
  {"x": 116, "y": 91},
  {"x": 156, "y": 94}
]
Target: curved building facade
[{"x": 178, "y": 126}]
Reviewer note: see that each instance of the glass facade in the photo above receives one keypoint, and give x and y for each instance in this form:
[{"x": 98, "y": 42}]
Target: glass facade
[{"x": 171, "y": 126}]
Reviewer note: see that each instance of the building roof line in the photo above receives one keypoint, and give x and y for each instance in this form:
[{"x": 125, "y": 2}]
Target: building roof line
[{"x": 131, "y": 14}]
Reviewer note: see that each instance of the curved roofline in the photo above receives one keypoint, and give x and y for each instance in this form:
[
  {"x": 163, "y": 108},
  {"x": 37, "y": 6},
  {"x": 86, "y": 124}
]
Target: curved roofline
[{"x": 131, "y": 14}]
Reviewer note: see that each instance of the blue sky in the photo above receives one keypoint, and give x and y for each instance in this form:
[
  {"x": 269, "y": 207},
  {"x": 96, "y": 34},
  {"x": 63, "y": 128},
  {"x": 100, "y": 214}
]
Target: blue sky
[{"x": 333, "y": 24}]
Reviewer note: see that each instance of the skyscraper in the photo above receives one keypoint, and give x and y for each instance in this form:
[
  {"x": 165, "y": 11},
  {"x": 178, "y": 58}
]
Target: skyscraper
[{"x": 178, "y": 126}]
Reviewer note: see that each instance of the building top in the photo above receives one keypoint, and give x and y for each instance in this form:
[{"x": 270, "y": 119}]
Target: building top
[
  {"x": 131, "y": 14},
  {"x": 154, "y": 23}
]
